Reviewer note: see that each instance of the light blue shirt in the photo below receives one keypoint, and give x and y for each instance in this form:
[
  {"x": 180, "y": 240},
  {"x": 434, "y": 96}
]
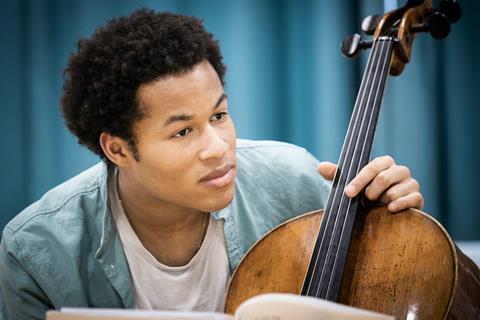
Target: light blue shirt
[{"x": 64, "y": 250}]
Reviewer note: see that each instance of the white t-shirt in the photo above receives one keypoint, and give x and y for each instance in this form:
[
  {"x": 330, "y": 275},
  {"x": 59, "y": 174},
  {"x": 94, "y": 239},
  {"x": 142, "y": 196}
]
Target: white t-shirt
[{"x": 197, "y": 286}]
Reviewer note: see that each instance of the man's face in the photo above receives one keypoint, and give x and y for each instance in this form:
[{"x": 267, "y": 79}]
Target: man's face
[{"x": 186, "y": 142}]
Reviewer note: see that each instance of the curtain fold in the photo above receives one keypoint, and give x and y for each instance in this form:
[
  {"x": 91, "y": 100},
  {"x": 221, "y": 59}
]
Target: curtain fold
[{"x": 286, "y": 81}]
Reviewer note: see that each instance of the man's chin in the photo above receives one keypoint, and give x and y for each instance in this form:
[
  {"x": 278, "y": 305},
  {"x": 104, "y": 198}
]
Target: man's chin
[{"x": 217, "y": 204}]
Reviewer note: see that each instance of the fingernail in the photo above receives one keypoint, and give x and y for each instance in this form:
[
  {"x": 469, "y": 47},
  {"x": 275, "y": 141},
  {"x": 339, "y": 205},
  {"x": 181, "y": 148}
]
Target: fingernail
[
  {"x": 350, "y": 189},
  {"x": 393, "y": 206}
]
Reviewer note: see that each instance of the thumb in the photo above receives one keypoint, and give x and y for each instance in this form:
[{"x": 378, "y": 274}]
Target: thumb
[{"x": 327, "y": 170}]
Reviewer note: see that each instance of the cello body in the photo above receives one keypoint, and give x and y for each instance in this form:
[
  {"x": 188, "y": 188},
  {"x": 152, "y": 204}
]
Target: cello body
[{"x": 403, "y": 264}]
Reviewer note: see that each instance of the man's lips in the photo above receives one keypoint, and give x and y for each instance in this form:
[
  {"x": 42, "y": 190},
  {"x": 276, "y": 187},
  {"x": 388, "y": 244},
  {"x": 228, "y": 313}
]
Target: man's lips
[{"x": 219, "y": 177}]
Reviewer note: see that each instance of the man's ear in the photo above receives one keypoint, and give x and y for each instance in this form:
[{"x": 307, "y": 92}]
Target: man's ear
[{"x": 115, "y": 149}]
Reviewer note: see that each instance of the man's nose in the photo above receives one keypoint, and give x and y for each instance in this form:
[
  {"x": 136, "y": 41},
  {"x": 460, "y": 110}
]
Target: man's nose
[{"x": 215, "y": 146}]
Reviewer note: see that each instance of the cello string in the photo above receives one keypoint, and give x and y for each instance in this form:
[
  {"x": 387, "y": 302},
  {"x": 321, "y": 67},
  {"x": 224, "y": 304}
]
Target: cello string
[
  {"x": 347, "y": 214},
  {"x": 364, "y": 111},
  {"x": 373, "y": 109},
  {"x": 332, "y": 199},
  {"x": 347, "y": 144},
  {"x": 328, "y": 258},
  {"x": 338, "y": 190},
  {"x": 383, "y": 79}
]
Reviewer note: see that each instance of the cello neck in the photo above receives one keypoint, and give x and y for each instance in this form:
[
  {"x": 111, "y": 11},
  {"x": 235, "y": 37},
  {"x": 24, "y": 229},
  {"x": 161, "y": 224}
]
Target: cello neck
[{"x": 324, "y": 275}]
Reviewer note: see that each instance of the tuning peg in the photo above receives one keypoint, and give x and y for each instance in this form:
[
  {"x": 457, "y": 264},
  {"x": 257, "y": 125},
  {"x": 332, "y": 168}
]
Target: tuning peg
[
  {"x": 451, "y": 9},
  {"x": 370, "y": 23},
  {"x": 438, "y": 25},
  {"x": 353, "y": 45}
]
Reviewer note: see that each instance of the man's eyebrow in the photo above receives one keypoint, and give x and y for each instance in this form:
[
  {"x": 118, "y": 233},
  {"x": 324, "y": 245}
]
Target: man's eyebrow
[
  {"x": 219, "y": 101},
  {"x": 186, "y": 117},
  {"x": 178, "y": 117}
]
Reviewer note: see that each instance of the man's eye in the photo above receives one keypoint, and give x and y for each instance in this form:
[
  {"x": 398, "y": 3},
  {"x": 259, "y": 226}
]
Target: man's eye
[
  {"x": 220, "y": 116},
  {"x": 182, "y": 133}
]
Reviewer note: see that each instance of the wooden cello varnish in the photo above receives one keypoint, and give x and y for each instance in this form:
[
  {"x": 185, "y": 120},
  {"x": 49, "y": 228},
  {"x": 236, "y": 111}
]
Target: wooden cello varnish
[{"x": 402, "y": 264}]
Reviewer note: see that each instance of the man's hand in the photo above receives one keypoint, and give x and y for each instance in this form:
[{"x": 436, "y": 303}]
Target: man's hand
[{"x": 384, "y": 181}]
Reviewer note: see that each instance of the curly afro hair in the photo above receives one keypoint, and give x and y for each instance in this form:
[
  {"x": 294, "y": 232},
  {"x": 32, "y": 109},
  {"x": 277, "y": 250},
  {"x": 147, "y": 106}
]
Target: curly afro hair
[{"x": 103, "y": 76}]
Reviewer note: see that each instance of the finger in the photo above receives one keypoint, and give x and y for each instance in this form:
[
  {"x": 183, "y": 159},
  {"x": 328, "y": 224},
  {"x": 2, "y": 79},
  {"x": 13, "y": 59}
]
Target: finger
[
  {"x": 367, "y": 174},
  {"x": 412, "y": 200},
  {"x": 385, "y": 179},
  {"x": 327, "y": 170},
  {"x": 400, "y": 190}
]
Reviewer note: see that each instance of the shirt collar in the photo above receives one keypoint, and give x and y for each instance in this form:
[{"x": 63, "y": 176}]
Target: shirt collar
[{"x": 110, "y": 253}]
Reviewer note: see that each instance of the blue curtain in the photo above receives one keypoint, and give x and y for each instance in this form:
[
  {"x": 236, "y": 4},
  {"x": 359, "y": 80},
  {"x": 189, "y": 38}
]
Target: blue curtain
[{"x": 286, "y": 81}]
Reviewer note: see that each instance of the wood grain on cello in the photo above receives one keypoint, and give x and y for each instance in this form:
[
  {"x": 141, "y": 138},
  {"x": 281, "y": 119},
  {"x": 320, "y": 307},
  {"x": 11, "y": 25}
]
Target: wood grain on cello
[{"x": 393, "y": 266}]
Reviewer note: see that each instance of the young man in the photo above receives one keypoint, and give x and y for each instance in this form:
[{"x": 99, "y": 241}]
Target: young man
[{"x": 165, "y": 218}]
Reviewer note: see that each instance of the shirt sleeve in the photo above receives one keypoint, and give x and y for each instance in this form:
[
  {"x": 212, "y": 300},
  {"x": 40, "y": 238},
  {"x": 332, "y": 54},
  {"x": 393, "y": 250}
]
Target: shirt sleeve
[{"x": 20, "y": 295}]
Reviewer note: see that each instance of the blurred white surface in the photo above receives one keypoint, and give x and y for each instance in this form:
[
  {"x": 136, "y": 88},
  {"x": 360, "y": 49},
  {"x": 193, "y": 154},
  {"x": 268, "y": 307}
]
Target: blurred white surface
[{"x": 471, "y": 249}]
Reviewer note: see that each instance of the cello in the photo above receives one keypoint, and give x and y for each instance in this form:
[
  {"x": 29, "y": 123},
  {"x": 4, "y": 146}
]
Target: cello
[{"x": 402, "y": 264}]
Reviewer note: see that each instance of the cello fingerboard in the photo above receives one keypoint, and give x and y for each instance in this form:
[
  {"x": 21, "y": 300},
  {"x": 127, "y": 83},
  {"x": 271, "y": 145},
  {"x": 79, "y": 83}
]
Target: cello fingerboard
[{"x": 323, "y": 278}]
